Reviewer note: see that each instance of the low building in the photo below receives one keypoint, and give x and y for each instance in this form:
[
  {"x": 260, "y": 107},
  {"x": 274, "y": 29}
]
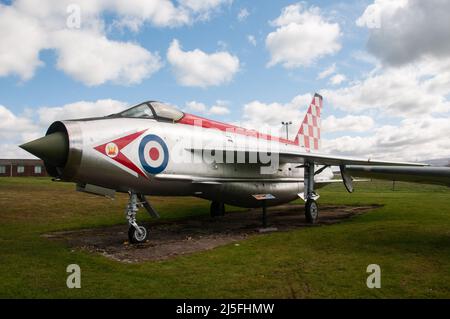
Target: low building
[{"x": 22, "y": 167}]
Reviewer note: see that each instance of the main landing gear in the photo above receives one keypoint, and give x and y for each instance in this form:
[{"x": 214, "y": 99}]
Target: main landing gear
[
  {"x": 311, "y": 211},
  {"x": 136, "y": 234},
  {"x": 217, "y": 209},
  {"x": 310, "y": 197}
]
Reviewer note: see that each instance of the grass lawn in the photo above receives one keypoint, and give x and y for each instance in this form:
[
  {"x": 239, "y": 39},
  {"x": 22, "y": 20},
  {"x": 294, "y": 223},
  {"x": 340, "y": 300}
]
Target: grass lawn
[{"x": 409, "y": 237}]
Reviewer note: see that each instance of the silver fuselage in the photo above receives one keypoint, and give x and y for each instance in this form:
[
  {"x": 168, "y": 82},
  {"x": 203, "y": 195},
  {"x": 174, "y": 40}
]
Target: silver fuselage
[{"x": 86, "y": 165}]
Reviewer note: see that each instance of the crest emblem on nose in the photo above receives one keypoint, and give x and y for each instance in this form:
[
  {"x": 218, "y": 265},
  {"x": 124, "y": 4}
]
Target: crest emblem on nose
[{"x": 111, "y": 149}]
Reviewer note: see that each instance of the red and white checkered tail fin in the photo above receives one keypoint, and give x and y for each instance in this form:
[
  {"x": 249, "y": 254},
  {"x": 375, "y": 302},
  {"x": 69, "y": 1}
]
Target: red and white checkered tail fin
[{"x": 309, "y": 133}]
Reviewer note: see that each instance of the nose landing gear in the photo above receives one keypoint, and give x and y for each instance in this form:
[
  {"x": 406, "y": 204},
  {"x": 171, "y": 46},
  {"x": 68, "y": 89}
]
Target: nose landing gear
[{"x": 136, "y": 234}]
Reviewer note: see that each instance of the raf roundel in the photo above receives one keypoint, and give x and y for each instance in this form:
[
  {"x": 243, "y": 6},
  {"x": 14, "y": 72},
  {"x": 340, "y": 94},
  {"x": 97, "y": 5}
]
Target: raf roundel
[{"x": 153, "y": 154}]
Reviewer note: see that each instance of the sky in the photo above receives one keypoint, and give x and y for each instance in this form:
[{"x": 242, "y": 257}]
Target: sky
[{"x": 383, "y": 67}]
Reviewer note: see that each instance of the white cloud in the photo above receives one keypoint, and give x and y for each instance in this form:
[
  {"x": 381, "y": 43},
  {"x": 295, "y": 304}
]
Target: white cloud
[
  {"x": 197, "y": 68},
  {"x": 93, "y": 59},
  {"x": 14, "y": 151},
  {"x": 251, "y": 39},
  {"x": 348, "y": 123},
  {"x": 302, "y": 36},
  {"x": 17, "y": 129},
  {"x": 243, "y": 14},
  {"x": 13, "y": 127},
  {"x": 268, "y": 116},
  {"x": 366, "y": 57},
  {"x": 327, "y": 72},
  {"x": 196, "y": 106},
  {"x": 220, "y": 108},
  {"x": 81, "y": 109},
  {"x": 337, "y": 79},
  {"x": 372, "y": 16},
  {"x": 203, "y": 5},
  {"x": 87, "y": 54},
  {"x": 413, "y": 139},
  {"x": 164, "y": 13},
  {"x": 160, "y": 13},
  {"x": 401, "y": 92},
  {"x": 18, "y": 56},
  {"x": 409, "y": 51},
  {"x": 407, "y": 30}
]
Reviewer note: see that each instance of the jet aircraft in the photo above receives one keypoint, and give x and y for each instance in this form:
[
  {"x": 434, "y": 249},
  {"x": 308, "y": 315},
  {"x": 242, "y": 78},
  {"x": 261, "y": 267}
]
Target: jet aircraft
[{"x": 155, "y": 149}]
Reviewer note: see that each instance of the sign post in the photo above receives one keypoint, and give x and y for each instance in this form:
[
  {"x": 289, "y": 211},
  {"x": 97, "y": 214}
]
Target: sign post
[
  {"x": 264, "y": 213},
  {"x": 263, "y": 198}
]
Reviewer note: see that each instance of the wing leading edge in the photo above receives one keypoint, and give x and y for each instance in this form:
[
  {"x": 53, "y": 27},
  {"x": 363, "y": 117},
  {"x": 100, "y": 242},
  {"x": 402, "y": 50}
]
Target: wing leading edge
[{"x": 314, "y": 158}]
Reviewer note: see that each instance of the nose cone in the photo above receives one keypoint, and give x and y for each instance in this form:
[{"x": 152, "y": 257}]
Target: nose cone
[{"x": 52, "y": 148}]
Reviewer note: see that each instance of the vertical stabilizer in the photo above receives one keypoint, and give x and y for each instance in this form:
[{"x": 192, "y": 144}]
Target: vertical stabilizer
[{"x": 308, "y": 135}]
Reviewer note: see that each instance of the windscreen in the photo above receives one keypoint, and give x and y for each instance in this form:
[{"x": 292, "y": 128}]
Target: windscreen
[{"x": 139, "y": 111}]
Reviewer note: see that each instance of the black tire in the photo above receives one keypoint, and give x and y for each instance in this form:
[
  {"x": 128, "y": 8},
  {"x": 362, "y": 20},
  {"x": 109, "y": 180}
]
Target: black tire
[
  {"x": 134, "y": 236},
  {"x": 217, "y": 209},
  {"x": 311, "y": 211}
]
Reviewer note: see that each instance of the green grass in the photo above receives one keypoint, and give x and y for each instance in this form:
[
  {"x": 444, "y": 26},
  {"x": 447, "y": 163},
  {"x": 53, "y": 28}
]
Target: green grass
[{"x": 409, "y": 237}]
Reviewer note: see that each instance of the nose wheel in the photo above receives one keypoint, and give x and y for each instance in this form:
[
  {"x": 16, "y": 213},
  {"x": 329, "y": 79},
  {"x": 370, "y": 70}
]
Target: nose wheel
[{"x": 136, "y": 234}]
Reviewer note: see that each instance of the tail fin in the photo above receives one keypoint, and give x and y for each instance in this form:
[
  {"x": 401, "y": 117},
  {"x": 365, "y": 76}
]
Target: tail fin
[{"x": 308, "y": 135}]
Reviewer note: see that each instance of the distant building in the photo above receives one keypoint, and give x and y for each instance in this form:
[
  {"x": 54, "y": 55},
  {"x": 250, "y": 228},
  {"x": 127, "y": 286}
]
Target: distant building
[{"x": 22, "y": 167}]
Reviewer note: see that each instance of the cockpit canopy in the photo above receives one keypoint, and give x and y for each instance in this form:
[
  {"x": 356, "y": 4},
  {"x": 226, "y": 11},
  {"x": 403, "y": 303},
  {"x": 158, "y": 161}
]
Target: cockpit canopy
[{"x": 153, "y": 110}]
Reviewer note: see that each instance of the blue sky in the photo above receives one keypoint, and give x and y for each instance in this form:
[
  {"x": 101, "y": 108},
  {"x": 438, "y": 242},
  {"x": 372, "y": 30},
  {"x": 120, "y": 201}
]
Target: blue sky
[
  {"x": 254, "y": 80},
  {"x": 358, "y": 119}
]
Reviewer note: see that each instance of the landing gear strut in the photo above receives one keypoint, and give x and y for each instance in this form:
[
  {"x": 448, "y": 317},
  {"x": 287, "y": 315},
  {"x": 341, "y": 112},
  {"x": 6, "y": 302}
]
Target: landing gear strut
[
  {"x": 136, "y": 234},
  {"x": 311, "y": 207},
  {"x": 217, "y": 209}
]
